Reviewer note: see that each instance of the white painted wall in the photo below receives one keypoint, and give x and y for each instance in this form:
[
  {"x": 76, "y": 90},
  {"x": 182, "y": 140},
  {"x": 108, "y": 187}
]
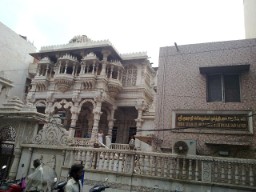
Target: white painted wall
[
  {"x": 250, "y": 18},
  {"x": 14, "y": 59}
]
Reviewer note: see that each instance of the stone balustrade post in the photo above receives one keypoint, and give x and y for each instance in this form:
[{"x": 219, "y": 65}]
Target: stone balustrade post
[{"x": 15, "y": 164}]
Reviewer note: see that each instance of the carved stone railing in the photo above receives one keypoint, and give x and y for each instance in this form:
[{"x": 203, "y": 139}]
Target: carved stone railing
[
  {"x": 77, "y": 141},
  {"x": 118, "y": 146},
  {"x": 198, "y": 169}
]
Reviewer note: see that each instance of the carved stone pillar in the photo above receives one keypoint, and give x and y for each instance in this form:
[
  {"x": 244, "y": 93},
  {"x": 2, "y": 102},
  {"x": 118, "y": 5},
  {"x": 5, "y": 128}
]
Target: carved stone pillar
[
  {"x": 141, "y": 106},
  {"x": 94, "y": 136},
  {"x": 74, "y": 111},
  {"x": 30, "y": 150},
  {"x": 50, "y": 99},
  {"x": 105, "y": 54},
  {"x": 15, "y": 164},
  {"x": 111, "y": 121},
  {"x": 97, "y": 113},
  {"x": 74, "y": 118}
]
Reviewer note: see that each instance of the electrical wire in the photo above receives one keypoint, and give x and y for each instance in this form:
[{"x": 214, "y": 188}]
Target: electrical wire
[{"x": 169, "y": 129}]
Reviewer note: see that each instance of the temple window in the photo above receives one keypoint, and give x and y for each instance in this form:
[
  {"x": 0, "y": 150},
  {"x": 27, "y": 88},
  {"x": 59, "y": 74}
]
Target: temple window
[{"x": 129, "y": 76}]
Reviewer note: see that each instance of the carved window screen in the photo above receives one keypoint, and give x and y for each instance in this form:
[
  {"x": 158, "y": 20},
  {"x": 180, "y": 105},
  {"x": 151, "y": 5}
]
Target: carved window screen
[{"x": 129, "y": 76}]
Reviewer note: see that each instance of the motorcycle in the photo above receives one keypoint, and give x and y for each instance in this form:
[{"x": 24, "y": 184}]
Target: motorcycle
[
  {"x": 60, "y": 186},
  {"x": 99, "y": 187},
  {"x": 10, "y": 186}
]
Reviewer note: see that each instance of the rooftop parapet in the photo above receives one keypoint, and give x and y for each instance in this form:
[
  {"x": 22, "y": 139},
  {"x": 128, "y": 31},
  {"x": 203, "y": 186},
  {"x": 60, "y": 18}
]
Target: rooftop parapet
[
  {"x": 135, "y": 55},
  {"x": 83, "y": 44}
]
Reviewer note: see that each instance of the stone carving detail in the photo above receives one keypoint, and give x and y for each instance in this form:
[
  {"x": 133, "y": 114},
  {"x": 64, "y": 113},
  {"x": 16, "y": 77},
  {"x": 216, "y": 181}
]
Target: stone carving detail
[
  {"x": 90, "y": 56},
  {"x": 31, "y": 97},
  {"x": 50, "y": 97},
  {"x": 64, "y": 82},
  {"x": 29, "y": 107},
  {"x": 129, "y": 76},
  {"x": 41, "y": 84},
  {"x": 79, "y": 39},
  {"x": 114, "y": 87},
  {"x": 52, "y": 134},
  {"x": 206, "y": 171},
  {"x": 7, "y": 134},
  {"x": 45, "y": 60},
  {"x": 68, "y": 57},
  {"x": 51, "y": 161},
  {"x": 88, "y": 84}
]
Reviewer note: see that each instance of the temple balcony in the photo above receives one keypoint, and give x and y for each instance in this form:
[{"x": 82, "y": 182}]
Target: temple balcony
[
  {"x": 41, "y": 82},
  {"x": 114, "y": 87},
  {"x": 113, "y": 72},
  {"x": 67, "y": 67},
  {"x": 43, "y": 74},
  {"x": 64, "y": 81}
]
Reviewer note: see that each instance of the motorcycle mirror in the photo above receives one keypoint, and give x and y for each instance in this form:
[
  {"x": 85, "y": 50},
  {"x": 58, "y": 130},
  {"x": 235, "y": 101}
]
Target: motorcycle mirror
[{"x": 4, "y": 166}]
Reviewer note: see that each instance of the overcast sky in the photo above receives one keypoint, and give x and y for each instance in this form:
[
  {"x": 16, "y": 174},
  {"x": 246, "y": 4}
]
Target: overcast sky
[{"x": 131, "y": 25}]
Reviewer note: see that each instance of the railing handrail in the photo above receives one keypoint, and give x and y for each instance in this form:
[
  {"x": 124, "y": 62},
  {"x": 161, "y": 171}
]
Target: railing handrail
[{"x": 205, "y": 169}]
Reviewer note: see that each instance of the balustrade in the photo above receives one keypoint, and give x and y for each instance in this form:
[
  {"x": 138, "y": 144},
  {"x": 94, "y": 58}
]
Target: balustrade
[{"x": 193, "y": 168}]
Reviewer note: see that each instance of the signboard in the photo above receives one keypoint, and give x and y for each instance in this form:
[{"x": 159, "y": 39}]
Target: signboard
[{"x": 236, "y": 121}]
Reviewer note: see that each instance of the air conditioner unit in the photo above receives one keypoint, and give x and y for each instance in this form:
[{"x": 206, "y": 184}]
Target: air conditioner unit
[{"x": 184, "y": 147}]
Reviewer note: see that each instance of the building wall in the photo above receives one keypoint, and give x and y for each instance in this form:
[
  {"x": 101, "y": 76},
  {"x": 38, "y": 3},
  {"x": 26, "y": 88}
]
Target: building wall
[
  {"x": 14, "y": 59},
  {"x": 250, "y": 18},
  {"x": 183, "y": 88}
]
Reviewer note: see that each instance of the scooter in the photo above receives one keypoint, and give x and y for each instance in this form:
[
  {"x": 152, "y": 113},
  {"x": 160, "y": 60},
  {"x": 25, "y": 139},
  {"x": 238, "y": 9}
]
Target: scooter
[
  {"x": 60, "y": 186},
  {"x": 99, "y": 187},
  {"x": 10, "y": 186}
]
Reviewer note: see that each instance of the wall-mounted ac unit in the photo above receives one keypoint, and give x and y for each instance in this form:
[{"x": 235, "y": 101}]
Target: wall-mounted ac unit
[{"x": 184, "y": 147}]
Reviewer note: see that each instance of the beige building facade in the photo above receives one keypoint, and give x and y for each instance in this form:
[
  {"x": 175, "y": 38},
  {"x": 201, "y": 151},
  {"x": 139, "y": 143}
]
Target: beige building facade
[
  {"x": 206, "y": 101},
  {"x": 93, "y": 87}
]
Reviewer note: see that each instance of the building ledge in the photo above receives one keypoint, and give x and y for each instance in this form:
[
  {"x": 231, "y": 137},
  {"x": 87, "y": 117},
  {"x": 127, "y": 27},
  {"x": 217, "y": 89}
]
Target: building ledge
[
  {"x": 224, "y": 69},
  {"x": 233, "y": 143}
]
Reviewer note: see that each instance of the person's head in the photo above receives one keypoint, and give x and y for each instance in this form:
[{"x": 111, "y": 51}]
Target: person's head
[
  {"x": 76, "y": 171},
  {"x": 36, "y": 163},
  {"x": 100, "y": 131}
]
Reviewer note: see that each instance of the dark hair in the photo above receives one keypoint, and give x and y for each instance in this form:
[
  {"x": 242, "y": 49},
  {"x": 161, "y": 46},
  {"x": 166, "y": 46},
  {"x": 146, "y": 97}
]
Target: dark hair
[
  {"x": 36, "y": 163},
  {"x": 74, "y": 169}
]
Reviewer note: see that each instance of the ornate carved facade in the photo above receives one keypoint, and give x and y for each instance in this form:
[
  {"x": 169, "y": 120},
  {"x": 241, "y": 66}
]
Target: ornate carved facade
[{"x": 88, "y": 83}]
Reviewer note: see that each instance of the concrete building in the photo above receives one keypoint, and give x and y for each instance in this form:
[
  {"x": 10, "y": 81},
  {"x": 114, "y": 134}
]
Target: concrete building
[
  {"x": 16, "y": 119},
  {"x": 250, "y": 18},
  {"x": 14, "y": 61},
  {"x": 206, "y": 101}
]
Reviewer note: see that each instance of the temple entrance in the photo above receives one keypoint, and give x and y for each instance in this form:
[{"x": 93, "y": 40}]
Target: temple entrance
[
  {"x": 125, "y": 123},
  {"x": 7, "y": 140},
  {"x": 103, "y": 124},
  {"x": 84, "y": 123}
]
